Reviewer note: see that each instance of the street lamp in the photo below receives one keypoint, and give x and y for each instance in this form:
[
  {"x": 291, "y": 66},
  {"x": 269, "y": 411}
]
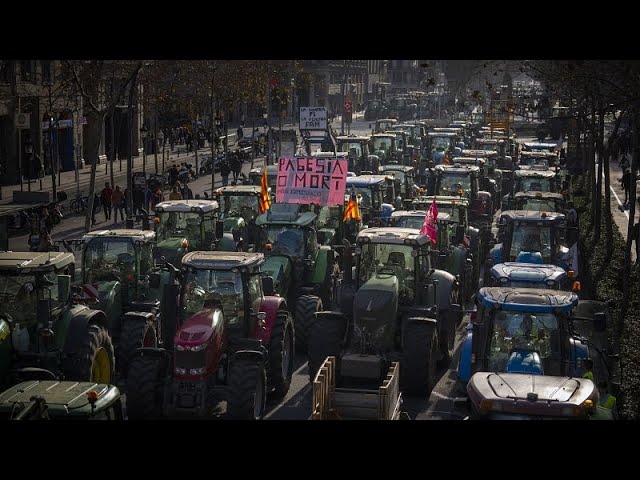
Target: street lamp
[{"x": 143, "y": 136}]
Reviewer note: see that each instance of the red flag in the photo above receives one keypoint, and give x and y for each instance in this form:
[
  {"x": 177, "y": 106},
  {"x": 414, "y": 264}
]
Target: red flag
[{"x": 430, "y": 225}]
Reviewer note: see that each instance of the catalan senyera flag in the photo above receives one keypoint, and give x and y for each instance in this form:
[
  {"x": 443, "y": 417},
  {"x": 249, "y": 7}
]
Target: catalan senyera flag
[
  {"x": 265, "y": 198},
  {"x": 430, "y": 225},
  {"x": 352, "y": 210}
]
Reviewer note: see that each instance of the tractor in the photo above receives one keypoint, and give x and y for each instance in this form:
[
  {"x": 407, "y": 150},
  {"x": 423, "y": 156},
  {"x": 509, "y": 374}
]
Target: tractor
[
  {"x": 534, "y": 179},
  {"x": 450, "y": 253},
  {"x": 440, "y": 146},
  {"x": 183, "y": 226},
  {"x": 530, "y": 275},
  {"x": 119, "y": 264},
  {"x": 395, "y": 307},
  {"x": 376, "y": 197},
  {"x": 46, "y": 333},
  {"x": 531, "y": 237},
  {"x": 403, "y": 178},
  {"x": 541, "y": 159},
  {"x": 539, "y": 201},
  {"x": 533, "y": 331},
  {"x": 65, "y": 400},
  {"x": 302, "y": 271},
  {"x": 490, "y": 179},
  {"x": 357, "y": 149},
  {"x": 239, "y": 205},
  {"x": 384, "y": 146},
  {"x": 232, "y": 340},
  {"x": 255, "y": 176}
]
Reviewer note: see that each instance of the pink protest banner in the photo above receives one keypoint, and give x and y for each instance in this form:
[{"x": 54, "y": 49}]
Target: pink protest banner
[{"x": 307, "y": 179}]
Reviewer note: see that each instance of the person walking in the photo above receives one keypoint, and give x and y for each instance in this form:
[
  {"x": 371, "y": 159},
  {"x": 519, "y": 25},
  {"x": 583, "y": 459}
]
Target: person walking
[
  {"x": 626, "y": 184},
  {"x": 105, "y": 198},
  {"x": 236, "y": 166},
  {"x": 186, "y": 192},
  {"x": 587, "y": 363},
  {"x": 117, "y": 204},
  {"x": 635, "y": 236},
  {"x": 175, "y": 194},
  {"x": 607, "y": 408},
  {"x": 225, "y": 170},
  {"x": 572, "y": 223}
]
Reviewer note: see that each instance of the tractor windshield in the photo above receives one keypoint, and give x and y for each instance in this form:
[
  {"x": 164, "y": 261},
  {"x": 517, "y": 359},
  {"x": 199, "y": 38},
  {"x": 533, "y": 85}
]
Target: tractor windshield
[
  {"x": 363, "y": 196},
  {"x": 452, "y": 210},
  {"x": 354, "y": 148},
  {"x": 455, "y": 184},
  {"x": 534, "y": 184},
  {"x": 410, "y": 221},
  {"x": 532, "y": 238},
  {"x": 286, "y": 240},
  {"x": 440, "y": 143},
  {"x": 206, "y": 288},
  {"x": 107, "y": 259},
  {"x": 397, "y": 174},
  {"x": 382, "y": 143},
  {"x": 19, "y": 297},
  {"x": 523, "y": 331},
  {"x": 538, "y": 205},
  {"x": 180, "y": 224},
  {"x": 389, "y": 258},
  {"x": 240, "y": 205}
]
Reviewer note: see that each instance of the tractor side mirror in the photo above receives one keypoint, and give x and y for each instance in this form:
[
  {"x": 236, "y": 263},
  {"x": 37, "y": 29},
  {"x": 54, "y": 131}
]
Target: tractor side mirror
[
  {"x": 600, "y": 321},
  {"x": 154, "y": 280},
  {"x": 64, "y": 288},
  {"x": 267, "y": 285}
]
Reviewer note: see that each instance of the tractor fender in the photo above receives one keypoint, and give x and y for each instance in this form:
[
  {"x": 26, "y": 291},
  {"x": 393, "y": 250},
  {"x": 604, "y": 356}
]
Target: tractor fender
[
  {"x": 77, "y": 331},
  {"x": 445, "y": 282},
  {"x": 577, "y": 352},
  {"x": 270, "y": 306},
  {"x": 465, "y": 366},
  {"x": 251, "y": 355},
  {"x": 324, "y": 260},
  {"x": 227, "y": 243}
]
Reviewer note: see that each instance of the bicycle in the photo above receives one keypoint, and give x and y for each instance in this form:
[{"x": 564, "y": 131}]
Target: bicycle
[{"x": 81, "y": 203}]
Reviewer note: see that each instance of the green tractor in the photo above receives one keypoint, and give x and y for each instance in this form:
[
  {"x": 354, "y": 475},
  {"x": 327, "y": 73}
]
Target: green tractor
[
  {"x": 45, "y": 332},
  {"x": 183, "y": 226},
  {"x": 302, "y": 270},
  {"x": 397, "y": 308},
  {"x": 66, "y": 400},
  {"x": 239, "y": 205},
  {"x": 119, "y": 264}
]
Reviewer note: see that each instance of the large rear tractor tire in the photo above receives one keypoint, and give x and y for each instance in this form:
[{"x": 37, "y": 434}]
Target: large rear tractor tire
[
  {"x": 134, "y": 335},
  {"x": 247, "y": 390},
  {"x": 145, "y": 387},
  {"x": 420, "y": 354},
  {"x": 96, "y": 360},
  {"x": 325, "y": 339},
  {"x": 448, "y": 336},
  {"x": 281, "y": 355},
  {"x": 306, "y": 307}
]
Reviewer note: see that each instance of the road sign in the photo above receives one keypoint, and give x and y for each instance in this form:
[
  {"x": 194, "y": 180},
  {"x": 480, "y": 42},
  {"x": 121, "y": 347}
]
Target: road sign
[
  {"x": 313, "y": 118},
  {"x": 23, "y": 120},
  {"x": 348, "y": 106}
]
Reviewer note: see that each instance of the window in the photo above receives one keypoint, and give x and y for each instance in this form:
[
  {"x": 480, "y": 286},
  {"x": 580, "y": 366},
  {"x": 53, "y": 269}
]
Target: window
[
  {"x": 47, "y": 72},
  {"x": 27, "y": 70},
  {"x": 6, "y": 71}
]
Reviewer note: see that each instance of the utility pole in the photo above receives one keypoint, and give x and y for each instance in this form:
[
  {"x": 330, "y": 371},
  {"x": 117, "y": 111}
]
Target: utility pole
[
  {"x": 20, "y": 148},
  {"x": 213, "y": 131},
  {"x": 132, "y": 88},
  {"x": 343, "y": 91}
]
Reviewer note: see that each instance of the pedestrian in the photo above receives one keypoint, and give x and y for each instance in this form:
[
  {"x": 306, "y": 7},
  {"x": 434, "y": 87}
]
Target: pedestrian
[
  {"x": 45, "y": 219},
  {"x": 587, "y": 363},
  {"x": 225, "y": 170},
  {"x": 186, "y": 192},
  {"x": 607, "y": 408},
  {"x": 572, "y": 223},
  {"x": 138, "y": 200},
  {"x": 626, "y": 184},
  {"x": 635, "y": 236},
  {"x": 240, "y": 133},
  {"x": 236, "y": 166},
  {"x": 105, "y": 198},
  {"x": 624, "y": 161},
  {"x": 156, "y": 197},
  {"x": 46, "y": 243},
  {"x": 117, "y": 204},
  {"x": 175, "y": 194}
]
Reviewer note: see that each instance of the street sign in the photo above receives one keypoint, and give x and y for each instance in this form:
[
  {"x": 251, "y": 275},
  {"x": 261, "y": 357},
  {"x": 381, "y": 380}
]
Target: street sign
[
  {"x": 313, "y": 118},
  {"x": 23, "y": 120},
  {"x": 348, "y": 105}
]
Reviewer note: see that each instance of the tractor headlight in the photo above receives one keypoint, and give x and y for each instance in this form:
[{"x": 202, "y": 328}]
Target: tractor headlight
[
  {"x": 199, "y": 348},
  {"x": 197, "y": 371},
  {"x": 180, "y": 371}
]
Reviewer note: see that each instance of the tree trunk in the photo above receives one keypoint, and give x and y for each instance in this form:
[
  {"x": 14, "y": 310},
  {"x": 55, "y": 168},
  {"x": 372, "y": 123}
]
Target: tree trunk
[
  {"x": 598, "y": 196},
  {"x": 604, "y": 159},
  {"x": 92, "y": 141},
  {"x": 112, "y": 146}
]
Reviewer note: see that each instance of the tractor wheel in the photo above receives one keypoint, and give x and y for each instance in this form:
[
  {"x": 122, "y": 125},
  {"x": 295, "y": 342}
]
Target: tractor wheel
[
  {"x": 448, "y": 337},
  {"x": 96, "y": 361},
  {"x": 133, "y": 335},
  {"x": 420, "y": 354},
  {"x": 281, "y": 355},
  {"x": 144, "y": 387},
  {"x": 306, "y": 307},
  {"x": 325, "y": 340},
  {"x": 247, "y": 390}
]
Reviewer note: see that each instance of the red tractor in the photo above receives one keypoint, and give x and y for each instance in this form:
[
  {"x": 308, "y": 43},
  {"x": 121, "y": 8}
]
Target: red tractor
[{"x": 233, "y": 341}]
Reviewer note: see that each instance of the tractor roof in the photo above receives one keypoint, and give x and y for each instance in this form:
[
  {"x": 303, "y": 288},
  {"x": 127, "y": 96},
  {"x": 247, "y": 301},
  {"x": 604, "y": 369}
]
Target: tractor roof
[
  {"x": 352, "y": 138},
  {"x": 531, "y": 272},
  {"x": 488, "y": 141},
  {"x": 133, "y": 234},
  {"x": 286, "y": 213},
  {"x": 479, "y": 153},
  {"x": 384, "y": 135},
  {"x": 532, "y": 215},
  {"x": 392, "y": 120},
  {"x": 222, "y": 260},
  {"x": 480, "y": 161},
  {"x": 459, "y": 168},
  {"x": 527, "y": 299},
  {"x": 442, "y": 134},
  {"x": 64, "y": 399},
  {"x": 538, "y": 154},
  {"x": 199, "y": 206},
  {"x": 540, "y": 146},
  {"x": 443, "y": 200},
  {"x": 35, "y": 261},
  {"x": 393, "y": 235},
  {"x": 232, "y": 190},
  {"x": 271, "y": 170},
  {"x": 396, "y": 167},
  {"x": 541, "y": 195},
  {"x": 535, "y": 173},
  {"x": 365, "y": 180},
  {"x": 535, "y": 395}
]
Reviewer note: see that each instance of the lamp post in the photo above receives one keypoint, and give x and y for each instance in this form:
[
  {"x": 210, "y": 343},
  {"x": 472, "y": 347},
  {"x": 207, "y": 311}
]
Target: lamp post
[
  {"x": 28, "y": 150},
  {"x": 143, "y": 136},
  {"x": 161, "y": 142}
]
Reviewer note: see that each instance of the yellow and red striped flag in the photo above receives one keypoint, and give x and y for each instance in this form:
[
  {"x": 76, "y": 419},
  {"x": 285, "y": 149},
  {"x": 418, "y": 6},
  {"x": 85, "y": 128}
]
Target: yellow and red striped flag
[
  {"x": 265, "y": 197},
  {"x": 352, "y": 210}
]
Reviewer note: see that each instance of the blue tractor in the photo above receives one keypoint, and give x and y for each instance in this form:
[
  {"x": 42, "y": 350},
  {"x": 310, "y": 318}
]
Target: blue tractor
[
  {"x": 530, "y": 330},
  {"x": 530, "y": 275}
]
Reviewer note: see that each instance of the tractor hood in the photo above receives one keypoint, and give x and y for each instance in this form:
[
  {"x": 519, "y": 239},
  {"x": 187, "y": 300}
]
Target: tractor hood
[
  {"x": 278, "y": 267},
  {"x": 375, "y": 307},
  {"x": 169, "y": 248},
  {"x": 200, "y": 328}
]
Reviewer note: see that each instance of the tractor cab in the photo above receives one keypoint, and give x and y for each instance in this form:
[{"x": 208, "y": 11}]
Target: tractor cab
[
  {"x": 532, "y": 180},
  {"x": 239, "y": 208},
  {"x": 539, "y": 147},
  {"x": 403, "y": 179},
  {"x": 255, "y": 176},
  {"x": 384, "y": 124},
  {"x": 185, "y": 225},
  {"x": 376, "y": 196},
  {"x": 529, "y": 160},
  {"x": 357, "y": 149},
  {"x": 440, "y": 146},
  {"x": 464, "y": 181},
  {"x": 531, "y": 237},
  {"x": 539, "y": 201},
  {"x": 385, "y": 147}
]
